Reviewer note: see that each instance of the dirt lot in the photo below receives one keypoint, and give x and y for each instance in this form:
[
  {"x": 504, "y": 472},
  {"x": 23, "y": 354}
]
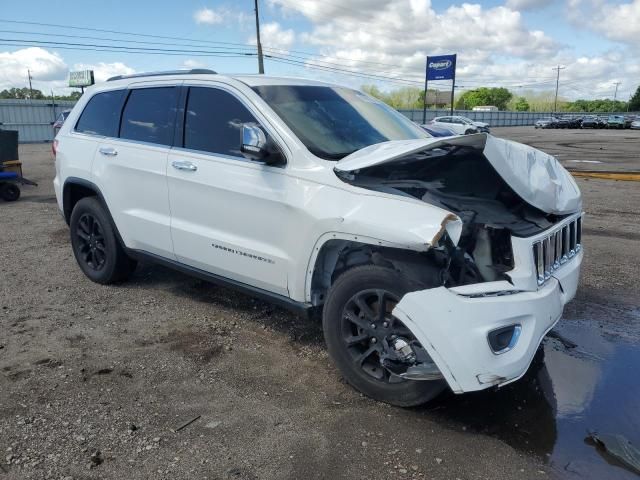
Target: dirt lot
[{"x": 95, "y": 381}]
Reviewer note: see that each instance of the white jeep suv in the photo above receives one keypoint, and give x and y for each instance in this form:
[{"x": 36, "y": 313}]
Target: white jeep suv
[{"x": 435, "y": 262}]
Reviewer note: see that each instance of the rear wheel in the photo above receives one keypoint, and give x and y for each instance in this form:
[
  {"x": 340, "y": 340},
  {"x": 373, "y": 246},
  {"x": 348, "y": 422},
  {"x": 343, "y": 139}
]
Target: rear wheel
[
  {"x": 95, "y": 245},
  {"x": 9, "y": 192},
  {"x": 363, "y": 336}
]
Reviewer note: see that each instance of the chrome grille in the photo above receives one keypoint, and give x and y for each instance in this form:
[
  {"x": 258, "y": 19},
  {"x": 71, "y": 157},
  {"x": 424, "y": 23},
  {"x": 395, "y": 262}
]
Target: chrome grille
[{"x": 557, "y": 248}]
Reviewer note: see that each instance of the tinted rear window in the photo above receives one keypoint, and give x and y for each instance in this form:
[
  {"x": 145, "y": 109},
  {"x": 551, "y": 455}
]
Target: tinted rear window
[
  {"x": 149, "y": 115},
  {"x": 102, "y": 114}
]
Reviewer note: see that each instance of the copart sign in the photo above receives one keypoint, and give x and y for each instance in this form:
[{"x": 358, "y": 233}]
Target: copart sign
[{"x": 441, "y": 67}]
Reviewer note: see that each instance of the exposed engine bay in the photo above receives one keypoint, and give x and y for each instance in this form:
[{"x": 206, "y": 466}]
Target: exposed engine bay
[{"x": 459, "y": 178}]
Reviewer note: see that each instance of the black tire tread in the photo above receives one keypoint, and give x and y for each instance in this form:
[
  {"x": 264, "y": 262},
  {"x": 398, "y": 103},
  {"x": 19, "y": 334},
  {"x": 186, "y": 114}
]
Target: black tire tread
[
  {"x": 119, "y": 266},
  {"x": 405, "y": 394}
]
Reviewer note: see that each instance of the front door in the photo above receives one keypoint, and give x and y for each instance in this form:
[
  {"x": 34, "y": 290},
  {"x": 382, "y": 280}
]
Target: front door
[{"x": 228, "y": 213}]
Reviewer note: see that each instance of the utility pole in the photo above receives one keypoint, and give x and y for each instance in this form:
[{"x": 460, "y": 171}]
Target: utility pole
[
  {"x": 555, "y": 102},
  {"x": 615, "y": 94},
  {"x": 30, "y": 87},
  {"x": 260, "y": 59}
]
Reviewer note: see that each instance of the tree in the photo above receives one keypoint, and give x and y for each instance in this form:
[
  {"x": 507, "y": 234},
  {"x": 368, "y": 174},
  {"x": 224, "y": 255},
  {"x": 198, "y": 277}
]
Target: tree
[
  {"x": 634, "y": 103},
  {"x": 521, "y": 105},
  {"x": 498, "y": 97},
  {"x": 401, "y": 98},
  {"x": 16, "y": 93}
]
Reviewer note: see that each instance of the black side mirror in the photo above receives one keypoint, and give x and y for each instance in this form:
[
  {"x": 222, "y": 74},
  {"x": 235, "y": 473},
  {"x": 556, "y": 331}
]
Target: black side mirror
[{"x": 258, "y": 147}]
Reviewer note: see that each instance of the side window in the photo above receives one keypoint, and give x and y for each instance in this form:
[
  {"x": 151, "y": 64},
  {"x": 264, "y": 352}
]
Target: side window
[
  {"x": 101, "y": 114},
  {"x": 444, "y": 120},
  {"x": 149, "y": 115},
  {"x": 213, "y": 119}
]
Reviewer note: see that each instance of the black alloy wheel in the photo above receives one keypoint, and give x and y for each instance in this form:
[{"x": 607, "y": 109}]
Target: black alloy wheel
[
  {"x": 92, "y": 247},
  {"x": 368, "y": 327},
  {"x": 364, "y": 338},
  {"x": 95, "y": 244}
]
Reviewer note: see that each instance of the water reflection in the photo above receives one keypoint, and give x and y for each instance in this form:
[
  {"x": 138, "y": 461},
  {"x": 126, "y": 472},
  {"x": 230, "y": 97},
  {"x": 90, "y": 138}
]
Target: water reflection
[{"x": 566, "y": 393}]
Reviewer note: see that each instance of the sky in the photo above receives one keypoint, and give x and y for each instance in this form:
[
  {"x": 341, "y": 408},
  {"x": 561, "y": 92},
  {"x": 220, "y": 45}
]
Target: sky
[{"x": 510, "y": 43}]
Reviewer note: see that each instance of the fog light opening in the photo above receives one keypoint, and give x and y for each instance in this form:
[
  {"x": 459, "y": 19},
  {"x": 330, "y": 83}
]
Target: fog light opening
[{"x": 503, "y": 339}]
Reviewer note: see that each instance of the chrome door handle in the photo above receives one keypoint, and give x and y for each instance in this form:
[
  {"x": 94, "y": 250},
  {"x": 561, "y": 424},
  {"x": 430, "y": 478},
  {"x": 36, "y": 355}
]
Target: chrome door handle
[
  {"x": 188, "y": 166},
  {"x": 108, "y": 151}
]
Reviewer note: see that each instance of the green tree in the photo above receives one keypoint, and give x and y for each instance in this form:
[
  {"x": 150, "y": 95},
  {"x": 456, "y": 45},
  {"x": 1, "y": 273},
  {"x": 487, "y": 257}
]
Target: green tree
[
  {"x": 498, "y": 97},
  {"x": 521, "y": 105},
  {"x": 18, "y": 93},
  {"x": 400, "y": 98},
  {"x": 634, "y": 103}
]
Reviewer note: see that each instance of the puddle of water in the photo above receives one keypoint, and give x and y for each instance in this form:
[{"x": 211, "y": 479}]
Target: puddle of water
[{"x": 566, "y": 393}]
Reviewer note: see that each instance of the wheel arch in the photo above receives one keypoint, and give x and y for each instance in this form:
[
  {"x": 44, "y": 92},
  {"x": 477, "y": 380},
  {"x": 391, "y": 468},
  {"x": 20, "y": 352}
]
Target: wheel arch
[
  {"x": 75, "y": 189},
  {"x": 335, "y": 253}
]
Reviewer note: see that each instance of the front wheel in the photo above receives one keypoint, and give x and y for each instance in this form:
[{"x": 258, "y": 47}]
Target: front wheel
[{"x": 368, "y": 344}]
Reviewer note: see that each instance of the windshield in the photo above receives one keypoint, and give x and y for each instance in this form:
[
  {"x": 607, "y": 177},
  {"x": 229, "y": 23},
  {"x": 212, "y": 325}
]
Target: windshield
[
  {"x": 334, "y": 122},
  {"x": 466, "y": 120}
]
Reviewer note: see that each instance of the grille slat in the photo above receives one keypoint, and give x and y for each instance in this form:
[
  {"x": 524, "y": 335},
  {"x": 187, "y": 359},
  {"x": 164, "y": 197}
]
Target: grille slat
[{"x": 554, "y": 250}]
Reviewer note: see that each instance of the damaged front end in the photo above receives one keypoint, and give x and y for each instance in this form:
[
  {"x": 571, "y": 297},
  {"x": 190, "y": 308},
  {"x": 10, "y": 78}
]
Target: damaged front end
[{"x": 506, "y": 261}]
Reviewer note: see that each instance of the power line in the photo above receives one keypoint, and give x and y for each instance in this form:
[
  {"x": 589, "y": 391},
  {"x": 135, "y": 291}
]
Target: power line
[{"x": 237, "y": 47}]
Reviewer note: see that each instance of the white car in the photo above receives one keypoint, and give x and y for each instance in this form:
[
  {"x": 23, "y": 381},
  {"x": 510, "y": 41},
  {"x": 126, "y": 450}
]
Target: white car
[
  {"x": 461, "y": 125},
  {"x": 436, "y": 263},
  {"x": 635, "y": 124}
]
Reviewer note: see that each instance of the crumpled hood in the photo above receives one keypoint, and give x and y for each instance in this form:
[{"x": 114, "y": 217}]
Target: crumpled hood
[{"x": 538, "y": 178}]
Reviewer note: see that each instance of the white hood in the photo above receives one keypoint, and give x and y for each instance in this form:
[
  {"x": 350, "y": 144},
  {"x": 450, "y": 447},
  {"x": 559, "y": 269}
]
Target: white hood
[{"x": 534, "y": 175}]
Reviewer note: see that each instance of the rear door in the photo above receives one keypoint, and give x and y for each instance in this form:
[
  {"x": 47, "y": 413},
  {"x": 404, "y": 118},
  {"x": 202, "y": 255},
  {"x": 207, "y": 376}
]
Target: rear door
[
  {"x": 229, "y": 214},
  {"x": 130, "y": 168}
]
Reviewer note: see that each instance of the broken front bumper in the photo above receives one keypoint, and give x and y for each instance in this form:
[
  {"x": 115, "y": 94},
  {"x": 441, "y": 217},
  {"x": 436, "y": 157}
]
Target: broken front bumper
[{"x": 453, "y": 324}]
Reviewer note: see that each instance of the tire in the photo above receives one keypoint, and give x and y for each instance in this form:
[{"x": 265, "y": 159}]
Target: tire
[
  {"x": 367, "y": 375},
  {"x": 9, "y": 192},
  {"x": 95, "y": 245},
  {"x": 468, "y": 132}
]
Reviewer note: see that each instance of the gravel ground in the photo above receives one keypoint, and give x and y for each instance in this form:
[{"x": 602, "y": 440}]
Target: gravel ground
[{"x": 95, "y": 381}]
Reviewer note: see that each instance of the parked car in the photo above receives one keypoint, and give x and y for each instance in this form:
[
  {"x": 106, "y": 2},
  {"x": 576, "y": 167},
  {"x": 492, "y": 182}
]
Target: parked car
[
  {"x": 616, "y": 121},
  {"x": 438, "y": 131},
  {"x": 435, "y": 262},
  {"x": 57, "y": 125},
  {"x": 592, "y": 121},
  {"x": 635, "y": 125},
  {"x": 548, "y": 122},
  {"x": 457, "y": 124}
]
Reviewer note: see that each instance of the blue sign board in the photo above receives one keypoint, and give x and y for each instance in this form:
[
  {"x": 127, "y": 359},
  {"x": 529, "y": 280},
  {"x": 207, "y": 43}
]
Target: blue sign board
[{"x": 441, "y": 67}]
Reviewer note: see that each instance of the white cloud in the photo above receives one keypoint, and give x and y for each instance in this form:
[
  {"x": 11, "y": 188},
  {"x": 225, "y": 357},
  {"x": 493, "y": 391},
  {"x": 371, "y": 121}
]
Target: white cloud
[
  {"x": 46, "y": 67},
  {"x": 494, "y": 45},
  {"x": 272, "y": 35},
  {"x": 616, "y": 21},
  {"x": 102, "y": 71},
  {"x": 521, "y": 5},
  {"x": 207, "y": 16},
  {"x": 190, "y": 63}
]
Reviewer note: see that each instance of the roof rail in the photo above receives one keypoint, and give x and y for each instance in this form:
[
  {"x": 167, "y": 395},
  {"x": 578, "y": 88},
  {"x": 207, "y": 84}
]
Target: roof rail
[{"x": 193, "y": 71}]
